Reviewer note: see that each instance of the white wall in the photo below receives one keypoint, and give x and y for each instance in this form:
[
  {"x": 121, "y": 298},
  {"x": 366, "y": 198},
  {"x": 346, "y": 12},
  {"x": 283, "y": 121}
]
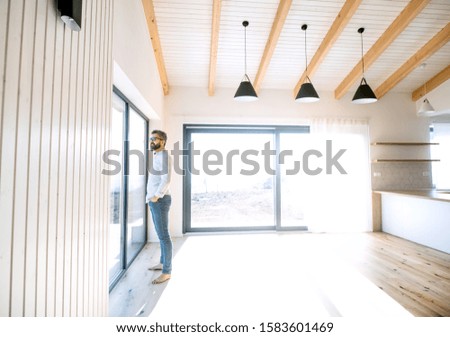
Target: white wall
[
  {"x": 54, "y": 203},
  {"x": 133, "y": 53},
  {"x": 393, "y": 118},
  {"x": 135, "y": 69}
]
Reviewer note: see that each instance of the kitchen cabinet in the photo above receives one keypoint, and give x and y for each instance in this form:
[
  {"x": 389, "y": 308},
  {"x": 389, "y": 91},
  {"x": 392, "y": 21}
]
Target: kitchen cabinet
[{"x": 418, "y": 216}]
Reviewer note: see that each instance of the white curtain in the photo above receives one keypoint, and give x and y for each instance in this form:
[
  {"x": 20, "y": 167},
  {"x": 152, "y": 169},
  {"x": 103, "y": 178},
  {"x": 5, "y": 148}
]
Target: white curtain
[{"x": 339, "y": 200}]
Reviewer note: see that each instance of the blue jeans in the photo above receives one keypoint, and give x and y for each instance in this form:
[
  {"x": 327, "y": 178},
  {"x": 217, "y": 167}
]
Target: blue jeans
[{"x": 160, "y": 216}]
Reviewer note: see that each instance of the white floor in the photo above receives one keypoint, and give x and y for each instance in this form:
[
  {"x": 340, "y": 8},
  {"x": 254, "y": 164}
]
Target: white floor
[{"x": 271, "y": 276}]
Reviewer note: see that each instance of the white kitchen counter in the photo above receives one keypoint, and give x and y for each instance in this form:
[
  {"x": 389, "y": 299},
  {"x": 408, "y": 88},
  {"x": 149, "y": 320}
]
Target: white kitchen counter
[
  {"x": 426, "y": 194},
  {"x": 421, "y": 216}
]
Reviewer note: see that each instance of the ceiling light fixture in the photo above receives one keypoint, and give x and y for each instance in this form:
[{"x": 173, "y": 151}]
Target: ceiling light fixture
[
  {"x": 364, "y": 94},
  {"x": 307, "y": 93},
  {"x": 426, "y": 108},
  {"x": 245, "y": 92}
]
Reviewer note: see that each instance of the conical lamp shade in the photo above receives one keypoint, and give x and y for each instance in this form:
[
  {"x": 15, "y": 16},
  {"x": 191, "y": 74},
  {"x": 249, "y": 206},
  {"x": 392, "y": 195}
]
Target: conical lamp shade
[
  {"x": 307, "y": 93},
  {"x": 364, "y": 94},
  {"x": 246, "y": 92},
  {"x": 425, "y": 108}
]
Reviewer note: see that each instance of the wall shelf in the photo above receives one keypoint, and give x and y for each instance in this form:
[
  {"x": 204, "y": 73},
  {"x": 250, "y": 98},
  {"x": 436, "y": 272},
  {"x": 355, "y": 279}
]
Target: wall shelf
[
  {"x": 403, "y": 143},
  {"x": 404, "y": 160}
]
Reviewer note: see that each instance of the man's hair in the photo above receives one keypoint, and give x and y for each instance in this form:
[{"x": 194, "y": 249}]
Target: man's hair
[{"x": 161, "y": 134}]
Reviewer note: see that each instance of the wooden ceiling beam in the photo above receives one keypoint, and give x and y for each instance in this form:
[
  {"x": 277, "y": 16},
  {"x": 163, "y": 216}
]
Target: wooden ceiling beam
[
  {"x": 277, "y": 26},
  {"x": 334, "y": 32},
  {"x": 432, "y": 46},
  {"x": 397, "y": 26},
  {"x": 156, "y": 43},
  {"x": 217, "y": 4},
  {"x": 431, "y": 84}
]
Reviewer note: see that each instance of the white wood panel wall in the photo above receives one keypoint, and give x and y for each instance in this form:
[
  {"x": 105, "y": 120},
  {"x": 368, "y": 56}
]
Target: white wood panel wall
[{"x": 55, "y": 99}]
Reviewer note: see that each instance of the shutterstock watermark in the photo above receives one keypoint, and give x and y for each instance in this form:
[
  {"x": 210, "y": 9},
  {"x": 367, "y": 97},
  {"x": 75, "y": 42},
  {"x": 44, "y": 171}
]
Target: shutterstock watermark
[{"x": 215, "y": 162}]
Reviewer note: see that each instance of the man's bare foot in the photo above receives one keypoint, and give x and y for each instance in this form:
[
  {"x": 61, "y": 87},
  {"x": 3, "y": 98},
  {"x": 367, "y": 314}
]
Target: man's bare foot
[
  {"x": 159, "y": 266},
  {"x": 161, "y": 279}
]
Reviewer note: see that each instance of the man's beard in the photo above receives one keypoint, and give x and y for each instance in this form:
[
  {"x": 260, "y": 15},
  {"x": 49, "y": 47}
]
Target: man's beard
[{"x": 154, "y": 146}]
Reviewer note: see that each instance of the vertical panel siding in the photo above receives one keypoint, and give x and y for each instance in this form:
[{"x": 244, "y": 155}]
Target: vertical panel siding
[
  {"x": 54, "y": 127},
  {"x": 3, "y": 33},
  {"x": 35, "y": 129},
  {"x": 21, "y": 155},
  {"x": 77, "y": 253},
  {"x": 106, "y": 136},
  {"x": 68, "y": 189},
  {"x": 27, "y": 219},
  {"x": 44, "y": 162},
  {"x": 88, "y": 180},
  {"x": 97, "y": 134},
  {"x": 82, "y": 263},
  {"x": 7, "y": 168}
]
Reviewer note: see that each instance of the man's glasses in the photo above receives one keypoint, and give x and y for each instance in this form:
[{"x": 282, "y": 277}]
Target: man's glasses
[{"x": 154, "y": 138}]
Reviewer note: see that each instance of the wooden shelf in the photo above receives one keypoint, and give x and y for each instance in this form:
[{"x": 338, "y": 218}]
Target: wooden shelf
[
  {"x": 404, "y": 160},
  {"x": 403, "y": 143}
]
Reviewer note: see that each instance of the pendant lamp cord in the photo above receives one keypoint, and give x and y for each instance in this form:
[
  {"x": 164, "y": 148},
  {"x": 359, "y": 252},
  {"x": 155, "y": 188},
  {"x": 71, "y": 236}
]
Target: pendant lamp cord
[
  {"x": 362, "y": 53},
  {"x": 245, "y": 49},
  {"x": 306, "y": 57}
]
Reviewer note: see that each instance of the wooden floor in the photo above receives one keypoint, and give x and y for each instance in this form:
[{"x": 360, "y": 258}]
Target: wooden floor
[
  {"x": 415, "y": 276},
  {"x": 341, "y": 270}
]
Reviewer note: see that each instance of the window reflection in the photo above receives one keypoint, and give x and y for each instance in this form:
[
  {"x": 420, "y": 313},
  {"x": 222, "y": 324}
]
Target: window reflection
[
  {"x": 116, "y": 187},
  {"x": 127, "y": 227},
  {"x": 440, "y": 133},
  {"x": 136, "y": 235}
]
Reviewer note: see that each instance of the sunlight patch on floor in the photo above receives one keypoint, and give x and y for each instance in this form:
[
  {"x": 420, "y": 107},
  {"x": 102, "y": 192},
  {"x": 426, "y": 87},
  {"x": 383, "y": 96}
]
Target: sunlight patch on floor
[{"x": 267, "y": 277}]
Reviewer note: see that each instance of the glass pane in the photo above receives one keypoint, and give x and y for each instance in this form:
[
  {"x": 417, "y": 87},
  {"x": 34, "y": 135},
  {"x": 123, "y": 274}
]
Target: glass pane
[
  {"x": 136, "y": 231},
  {"x": 441, "y": 170},
  {"x": 116, "y": 191},
  {"x": 293, "y": 191},
  {"x": 231, "y": 188}
]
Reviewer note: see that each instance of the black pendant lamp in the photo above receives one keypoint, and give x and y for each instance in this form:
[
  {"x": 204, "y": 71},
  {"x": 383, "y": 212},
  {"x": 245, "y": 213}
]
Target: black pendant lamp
[
  {"x": 307, "y": 93},
  {"x": 364, "y": 94},
  {"x": 245, "y": 92}
]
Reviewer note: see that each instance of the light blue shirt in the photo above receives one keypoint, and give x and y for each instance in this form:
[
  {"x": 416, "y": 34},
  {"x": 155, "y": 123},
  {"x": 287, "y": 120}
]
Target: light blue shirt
[{"x": 160, "y": 171}]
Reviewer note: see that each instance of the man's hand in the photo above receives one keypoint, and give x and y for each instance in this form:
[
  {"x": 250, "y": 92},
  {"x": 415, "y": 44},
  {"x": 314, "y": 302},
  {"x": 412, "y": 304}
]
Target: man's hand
[{"x": 154, "y": 199}]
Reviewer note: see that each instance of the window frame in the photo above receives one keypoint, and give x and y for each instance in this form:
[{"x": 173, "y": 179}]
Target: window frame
[
  {"x": 276, "y": 130},
  {"x": 124, "y": 181}
]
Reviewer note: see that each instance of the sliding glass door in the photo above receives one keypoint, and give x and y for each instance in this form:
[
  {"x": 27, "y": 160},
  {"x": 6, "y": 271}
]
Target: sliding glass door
[
  {"x": 233, "y": 195},
  {"x": 293, "y": 182},
  {"x": 136, "y": 187},
  {"x": 128, "y": 221},
  {"x": 234, "y": 182},
  {"x": 116, "y": 192}
]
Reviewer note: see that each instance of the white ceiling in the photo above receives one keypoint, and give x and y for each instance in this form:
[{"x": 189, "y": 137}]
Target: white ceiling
[{"x": 185, "y": 34}]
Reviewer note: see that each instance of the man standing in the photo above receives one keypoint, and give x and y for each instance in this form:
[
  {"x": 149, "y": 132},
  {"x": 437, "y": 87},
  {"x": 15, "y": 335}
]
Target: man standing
[{"x": 159, "y": 200}]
